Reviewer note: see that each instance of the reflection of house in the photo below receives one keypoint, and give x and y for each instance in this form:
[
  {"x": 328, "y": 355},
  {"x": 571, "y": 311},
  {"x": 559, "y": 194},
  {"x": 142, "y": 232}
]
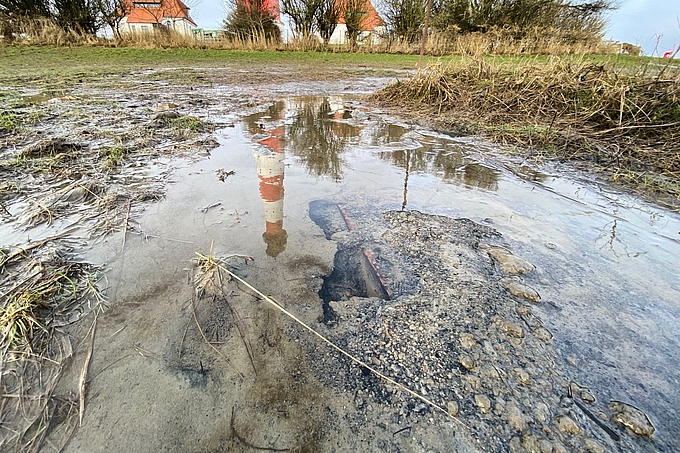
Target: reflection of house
[
  {"x": 147, "y": 15},
  {"x": 372, "y": 25}
]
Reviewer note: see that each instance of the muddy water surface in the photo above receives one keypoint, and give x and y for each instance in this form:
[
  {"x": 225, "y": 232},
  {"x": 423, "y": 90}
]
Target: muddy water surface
[{"x": 292, "y": 200}]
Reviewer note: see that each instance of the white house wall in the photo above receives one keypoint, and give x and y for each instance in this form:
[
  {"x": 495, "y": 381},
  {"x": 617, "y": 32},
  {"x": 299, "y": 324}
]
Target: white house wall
[{"x": 181, "y": 26}]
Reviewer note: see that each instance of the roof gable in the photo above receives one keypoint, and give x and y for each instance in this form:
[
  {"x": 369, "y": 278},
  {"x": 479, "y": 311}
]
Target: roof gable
[
  {"x": 371, "y": 20},
  {"x": 155, "y": 11}
]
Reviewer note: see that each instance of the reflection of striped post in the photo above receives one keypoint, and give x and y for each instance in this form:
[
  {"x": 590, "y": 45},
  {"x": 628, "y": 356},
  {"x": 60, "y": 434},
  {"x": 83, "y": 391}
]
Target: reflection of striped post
[{"x": 270, "y": 169}]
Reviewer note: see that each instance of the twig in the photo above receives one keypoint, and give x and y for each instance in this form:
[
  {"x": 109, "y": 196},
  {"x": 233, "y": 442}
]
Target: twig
[
  {"x": 342, "y": 351},
  {"x": 83, "y": 373},
  {"x": 20, "y": 251},
  {"x": 125, "y": 226}
]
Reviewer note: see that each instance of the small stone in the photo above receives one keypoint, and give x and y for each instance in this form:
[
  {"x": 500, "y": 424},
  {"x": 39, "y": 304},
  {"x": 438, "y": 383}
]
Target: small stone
[
  {"x": 511, "y": 328},
  {"x": 593, "y": 446},
  {"x": 559, "y": 448},
  {"x": 452, "y": 407},
  {"x": 466, "y": 361},
  {"x": 545, "y": 446},
  {"x": 515, "y": 417},
  {"x": 467, "y": 341},
  {"x": 515, "y": 445},
  {"x": 483, "y": 402},
  {"x": 523, "y": 376},
  {"x": 541, "y": 412},
  {"x": 566, "y": 425},
  {"x": 587, "y": 396},
  {"x": 530, "y": 442},
  {"x": 543, "y": 334},
  {"x": 509, "y": 263},
  {"x": 519, "y": 289},
  {"x": 375, "y": 361},
  {"x": 632, "y": 418}
]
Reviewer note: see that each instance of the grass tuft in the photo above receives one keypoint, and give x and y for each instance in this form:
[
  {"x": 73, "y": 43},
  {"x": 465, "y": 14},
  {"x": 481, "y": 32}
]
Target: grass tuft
[{"x": 611, "y": 116}]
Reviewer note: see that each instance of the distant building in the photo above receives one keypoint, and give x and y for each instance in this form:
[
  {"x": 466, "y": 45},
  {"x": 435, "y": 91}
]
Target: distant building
[
  {"x": 372, "y": 26},
  {"x": 147, "y": 15}
]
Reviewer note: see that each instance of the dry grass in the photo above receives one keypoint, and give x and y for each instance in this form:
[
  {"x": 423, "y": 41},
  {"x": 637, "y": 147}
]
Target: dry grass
[
  {"x": 41, "y": 293},
  {"x": 627, "y": 121},
  {"x": 495, "y": 41}
]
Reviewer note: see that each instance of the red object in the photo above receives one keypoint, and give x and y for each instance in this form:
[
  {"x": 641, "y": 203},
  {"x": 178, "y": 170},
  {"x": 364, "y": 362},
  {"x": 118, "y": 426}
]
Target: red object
[
  {"x": 154, "y": 11},
  {"x": 668, "y": 54}
]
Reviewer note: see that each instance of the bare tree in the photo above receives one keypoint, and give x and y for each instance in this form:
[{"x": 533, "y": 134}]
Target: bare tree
[
  {"x": 303, "y": 13},
  {"x": 354, "y": 12},
  {"x": 327, "y": 17},
  {"x": 112, "y": 12},
  {"x": 252, "y": 19},
  {"x": 405, "y": 18}
]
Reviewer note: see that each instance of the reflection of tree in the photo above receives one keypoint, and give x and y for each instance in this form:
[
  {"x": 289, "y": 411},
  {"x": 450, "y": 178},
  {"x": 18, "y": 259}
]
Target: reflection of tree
[
  {"x": 447, "y": 164},
  {"x": 275, "y": 112},
  {"x": 318, "y": 140},
  {"x": 387, "y": 133}
]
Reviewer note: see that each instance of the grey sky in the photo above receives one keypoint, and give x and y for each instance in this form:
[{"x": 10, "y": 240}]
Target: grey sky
[{"x": 640, "y": 22}]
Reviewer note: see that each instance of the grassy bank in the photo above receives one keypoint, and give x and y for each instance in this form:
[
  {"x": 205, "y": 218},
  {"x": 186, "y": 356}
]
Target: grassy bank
[{"x": 621, "y": 117}]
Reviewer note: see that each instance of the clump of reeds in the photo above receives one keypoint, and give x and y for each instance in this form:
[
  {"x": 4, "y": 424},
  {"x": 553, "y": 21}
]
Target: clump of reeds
[{"x": 570, "y": 108}]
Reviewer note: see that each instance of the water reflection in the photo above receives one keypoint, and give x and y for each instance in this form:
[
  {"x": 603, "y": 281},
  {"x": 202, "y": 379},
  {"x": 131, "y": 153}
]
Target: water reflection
[
  {"x": 448, "y": 164},
  {"x": 318, "y": 134},
  {"x": 270, "y": 172}
]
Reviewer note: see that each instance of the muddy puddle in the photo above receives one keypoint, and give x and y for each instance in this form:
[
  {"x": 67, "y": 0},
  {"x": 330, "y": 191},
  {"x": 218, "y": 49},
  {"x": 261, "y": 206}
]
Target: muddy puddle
[{"x": 547, "y": 319}]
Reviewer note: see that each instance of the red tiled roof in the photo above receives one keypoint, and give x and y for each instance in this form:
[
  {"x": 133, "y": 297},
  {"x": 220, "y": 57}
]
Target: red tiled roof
[
  {"x": 369, "y": 22},
  {"x": 167, "y": 9}
]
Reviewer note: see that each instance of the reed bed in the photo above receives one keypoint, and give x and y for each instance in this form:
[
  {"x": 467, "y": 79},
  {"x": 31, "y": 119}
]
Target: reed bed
[
  {"x": 621, "y": 119},
  {"x": 495, "y": 41}
]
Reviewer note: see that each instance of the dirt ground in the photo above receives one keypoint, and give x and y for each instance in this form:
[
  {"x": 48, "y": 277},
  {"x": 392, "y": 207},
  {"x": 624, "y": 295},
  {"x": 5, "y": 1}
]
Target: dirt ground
[{"x": 183, "y": 357}]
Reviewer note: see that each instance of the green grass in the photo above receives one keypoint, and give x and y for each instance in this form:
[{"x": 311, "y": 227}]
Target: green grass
[
  {"x": 55, "y": 66},
  {"x": 9, "y": 122}
]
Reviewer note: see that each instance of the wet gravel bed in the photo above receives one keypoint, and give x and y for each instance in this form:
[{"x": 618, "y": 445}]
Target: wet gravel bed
[{"x": 467, "y": 340}]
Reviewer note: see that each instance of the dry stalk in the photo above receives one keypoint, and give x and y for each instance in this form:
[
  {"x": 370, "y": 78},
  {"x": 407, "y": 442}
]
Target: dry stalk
[{"x": 83, "y": 374}]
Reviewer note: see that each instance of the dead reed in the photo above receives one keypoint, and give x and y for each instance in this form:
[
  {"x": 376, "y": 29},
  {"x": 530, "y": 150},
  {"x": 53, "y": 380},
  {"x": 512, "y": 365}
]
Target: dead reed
[
  {"x": 623, "y": 120},
  {"x": 41, "y": 293},
  {"x": 494, "y": 41}
]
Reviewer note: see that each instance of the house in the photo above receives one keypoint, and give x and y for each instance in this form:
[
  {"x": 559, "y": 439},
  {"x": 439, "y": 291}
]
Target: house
[
  {"x": 146, "y": 15},
  {"x": 372, "y": 25}
]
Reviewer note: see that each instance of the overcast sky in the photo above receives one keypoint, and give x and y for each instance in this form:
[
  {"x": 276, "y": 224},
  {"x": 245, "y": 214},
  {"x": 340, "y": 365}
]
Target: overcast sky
[{"x": 640, "y": 22}]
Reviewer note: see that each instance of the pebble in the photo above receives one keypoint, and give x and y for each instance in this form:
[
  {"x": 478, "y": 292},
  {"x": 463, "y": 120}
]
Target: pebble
[
  {"x": 515, "y": 416},
  {"x": 483, "y": 402},
  {"x": 566, "y": 425},
  {"x": 452, "y": 407},
  {"x": 466, "y": 361},
  {"x": 542, "y": 334},
  {"x": 593, "y": 446},
  {"x": 519, "y": 289},
  {"x": 509, "y": 263},
  {"x": 632, "y": 418},
  {"x": 468, "y": 341},
  {"x": 523, "y": 376},
  {"x": 511, "y": 328}
]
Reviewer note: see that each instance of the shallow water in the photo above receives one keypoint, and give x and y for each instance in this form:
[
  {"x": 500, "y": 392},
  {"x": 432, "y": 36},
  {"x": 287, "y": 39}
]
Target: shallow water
[{"x": 606, "y": 262}]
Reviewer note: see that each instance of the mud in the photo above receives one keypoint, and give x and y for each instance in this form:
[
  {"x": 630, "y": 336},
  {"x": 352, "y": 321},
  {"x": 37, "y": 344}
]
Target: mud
[{"x": 537, "y": 308}]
